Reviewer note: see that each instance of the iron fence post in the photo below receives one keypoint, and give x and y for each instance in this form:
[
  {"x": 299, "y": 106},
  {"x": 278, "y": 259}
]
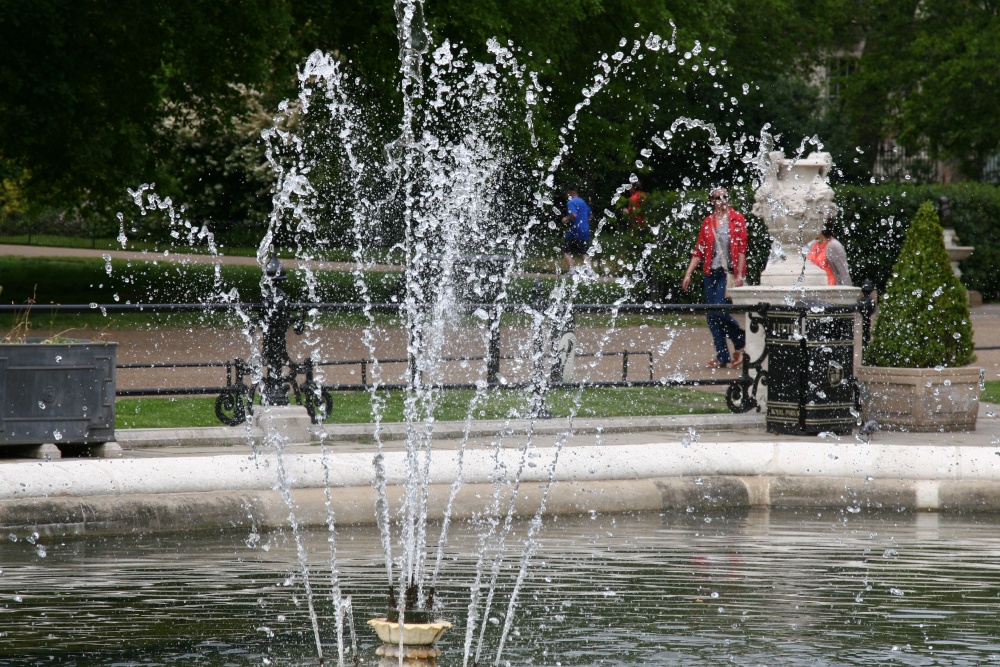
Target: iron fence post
[
  {"x": 493, "y": 365},
  {"x": 275, "y": 321}
]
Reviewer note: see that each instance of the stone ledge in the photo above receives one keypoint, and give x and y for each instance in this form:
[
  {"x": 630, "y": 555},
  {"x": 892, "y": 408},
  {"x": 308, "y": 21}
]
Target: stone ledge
[{"x": 151, "y": 513}]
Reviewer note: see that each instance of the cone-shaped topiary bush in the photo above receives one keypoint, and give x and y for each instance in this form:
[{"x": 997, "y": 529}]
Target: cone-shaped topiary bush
[{"x": 923, "y": 318}]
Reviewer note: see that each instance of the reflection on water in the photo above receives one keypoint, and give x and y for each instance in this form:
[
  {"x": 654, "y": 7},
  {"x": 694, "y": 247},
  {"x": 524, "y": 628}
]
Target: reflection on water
[{"x": 764, "y": 588}]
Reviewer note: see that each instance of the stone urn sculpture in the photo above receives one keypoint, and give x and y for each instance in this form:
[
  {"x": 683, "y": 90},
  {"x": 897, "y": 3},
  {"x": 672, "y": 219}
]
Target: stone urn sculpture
[{"x": 795, "y": 202}]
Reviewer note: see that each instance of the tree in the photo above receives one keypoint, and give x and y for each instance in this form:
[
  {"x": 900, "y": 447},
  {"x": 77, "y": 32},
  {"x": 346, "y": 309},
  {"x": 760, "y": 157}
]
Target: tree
[
  {"x": 927, "y": 77},
  {"x": 86, "y": 84},
  {"x": 923, "y": 318},
  {"x": 97, "y": 96}
]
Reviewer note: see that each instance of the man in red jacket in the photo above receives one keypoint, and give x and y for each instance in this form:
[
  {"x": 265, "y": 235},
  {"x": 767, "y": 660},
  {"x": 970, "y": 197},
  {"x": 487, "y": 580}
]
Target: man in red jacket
[{"x": 721, "y": 249}]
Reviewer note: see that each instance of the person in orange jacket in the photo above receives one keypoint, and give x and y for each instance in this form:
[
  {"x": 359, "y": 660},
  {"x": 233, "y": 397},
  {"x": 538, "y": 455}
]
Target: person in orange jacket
[{"x": 828, "y": 254}]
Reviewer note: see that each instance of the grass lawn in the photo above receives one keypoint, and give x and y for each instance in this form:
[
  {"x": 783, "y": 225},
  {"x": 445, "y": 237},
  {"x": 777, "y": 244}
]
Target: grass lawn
[
  {"x": 992, "y": 392},
  {"x": 354, "y": 407}
]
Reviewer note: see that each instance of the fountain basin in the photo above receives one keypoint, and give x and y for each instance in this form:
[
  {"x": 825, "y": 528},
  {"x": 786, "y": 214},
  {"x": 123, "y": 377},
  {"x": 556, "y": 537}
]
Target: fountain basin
[{"x": 412, "y": 634}]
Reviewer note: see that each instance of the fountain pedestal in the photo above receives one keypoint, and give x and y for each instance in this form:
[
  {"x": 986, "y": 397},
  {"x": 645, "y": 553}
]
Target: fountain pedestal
[
  {"x": 413, "y": 656},
  {"x": 291, "y": 422},
  {"x": 956, "y": 254},
  {"x": 414, "y": 641},
  {"x": 795, "y": 201}
]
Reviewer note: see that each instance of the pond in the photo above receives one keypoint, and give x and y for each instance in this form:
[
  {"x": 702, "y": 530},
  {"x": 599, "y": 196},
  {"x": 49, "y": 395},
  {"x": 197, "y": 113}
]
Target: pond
[{"x": 762, "y": 588}]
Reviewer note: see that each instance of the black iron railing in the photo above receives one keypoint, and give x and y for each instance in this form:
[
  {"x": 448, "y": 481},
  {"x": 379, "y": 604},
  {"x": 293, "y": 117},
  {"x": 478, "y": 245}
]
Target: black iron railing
[{"x": 279, "y": 375}]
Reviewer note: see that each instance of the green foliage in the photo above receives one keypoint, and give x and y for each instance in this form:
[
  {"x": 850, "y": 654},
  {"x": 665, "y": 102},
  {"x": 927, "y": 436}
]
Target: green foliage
[
  {"x": 872, "y": 228},
  {"x": 927, "y": 77},
  {"x": 80, "y": 281},
  {"x": 96, "y": 97},
  {"x": 923, "y": 319},
  {"x": 85, "y": 87},
  {"x": 672, "y": 223}
]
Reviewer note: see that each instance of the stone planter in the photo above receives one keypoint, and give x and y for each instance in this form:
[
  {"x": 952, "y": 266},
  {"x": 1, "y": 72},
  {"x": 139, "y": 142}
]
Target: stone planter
[
  {"x": 58, "y": 395},
  {"x": 920, "y": 399}
]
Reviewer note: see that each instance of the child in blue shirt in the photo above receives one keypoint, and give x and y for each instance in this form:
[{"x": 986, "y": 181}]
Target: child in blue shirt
[{"x": 577, "y": 239}]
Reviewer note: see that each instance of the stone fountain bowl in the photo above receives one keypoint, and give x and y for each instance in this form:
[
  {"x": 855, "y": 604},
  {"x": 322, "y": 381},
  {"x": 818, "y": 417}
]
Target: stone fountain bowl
[
  {"x": 957, "y": 253},
  {"x": 413, "y": 634}
]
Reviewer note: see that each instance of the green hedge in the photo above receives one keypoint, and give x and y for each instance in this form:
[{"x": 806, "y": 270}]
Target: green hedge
[
  {"x": 84, "y": 280},
  {"x": 874, "y": 219},
  {"x": 872, "y": 226},
  {"x": 672, "y": 223}
]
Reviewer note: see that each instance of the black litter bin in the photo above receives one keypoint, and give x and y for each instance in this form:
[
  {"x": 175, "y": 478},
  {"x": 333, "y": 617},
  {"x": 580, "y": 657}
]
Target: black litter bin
[{"x": 810, "y": 371}]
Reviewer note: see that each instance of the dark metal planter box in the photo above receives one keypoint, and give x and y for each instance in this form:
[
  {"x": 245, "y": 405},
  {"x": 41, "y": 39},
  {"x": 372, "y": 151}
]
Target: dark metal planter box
[{"x": 59, "y": 393}]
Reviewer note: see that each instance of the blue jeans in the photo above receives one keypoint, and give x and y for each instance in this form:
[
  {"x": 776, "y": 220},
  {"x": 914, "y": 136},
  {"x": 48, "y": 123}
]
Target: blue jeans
[{"x": 722, "y": 325}]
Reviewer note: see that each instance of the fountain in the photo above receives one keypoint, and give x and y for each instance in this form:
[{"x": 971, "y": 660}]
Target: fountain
[
  {"x": 795, "y": 200},
  {"x": 692, "y": 584},
  {"x": 442, "y": 179},
  {"x": 450, "y": 168}
]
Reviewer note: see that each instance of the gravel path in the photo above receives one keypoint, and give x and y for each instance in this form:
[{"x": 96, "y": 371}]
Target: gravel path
[{"x": 684, "y": 350}]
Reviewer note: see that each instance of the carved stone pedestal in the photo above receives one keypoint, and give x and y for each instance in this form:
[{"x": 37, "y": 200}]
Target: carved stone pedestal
[
  {"x": 413, "y": 656},
  {"x": 417, "y": 641}
]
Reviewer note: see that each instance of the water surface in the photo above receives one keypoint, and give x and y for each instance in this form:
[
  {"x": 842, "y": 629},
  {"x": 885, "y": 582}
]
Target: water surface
[{"x": 763, "y": 588}]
